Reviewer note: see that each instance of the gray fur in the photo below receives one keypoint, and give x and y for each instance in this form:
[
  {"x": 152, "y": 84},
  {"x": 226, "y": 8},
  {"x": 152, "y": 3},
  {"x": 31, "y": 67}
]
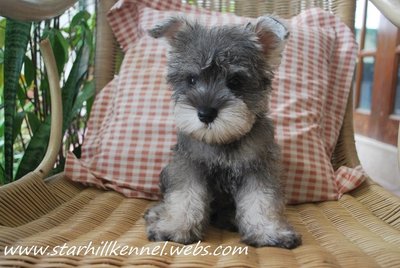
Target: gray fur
[{"x": 225, "y": 172}]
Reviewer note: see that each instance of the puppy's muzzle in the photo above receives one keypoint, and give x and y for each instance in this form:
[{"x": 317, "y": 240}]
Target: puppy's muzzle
[{"x": 207, "y": 114}]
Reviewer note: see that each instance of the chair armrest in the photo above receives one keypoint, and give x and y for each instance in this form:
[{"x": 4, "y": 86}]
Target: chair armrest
[
  {"x": 390, "y": 9},
  {"x": 56, "y": 110},
  {"x": 33, "y": 10}
]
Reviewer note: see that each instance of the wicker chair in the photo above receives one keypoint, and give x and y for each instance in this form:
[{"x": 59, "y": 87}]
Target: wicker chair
[{"x": 362, "y": 229}]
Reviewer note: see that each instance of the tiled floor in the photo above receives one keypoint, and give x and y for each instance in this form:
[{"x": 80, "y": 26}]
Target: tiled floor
[{"x": 380, "y": 162}]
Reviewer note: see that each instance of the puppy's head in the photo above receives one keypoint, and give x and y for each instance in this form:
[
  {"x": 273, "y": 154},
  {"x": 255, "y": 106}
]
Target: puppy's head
[{"x": 221, "y": 76}]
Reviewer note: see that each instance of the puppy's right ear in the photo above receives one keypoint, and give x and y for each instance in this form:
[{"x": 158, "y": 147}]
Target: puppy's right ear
[
  {"x": 168, "y": 29},
  {"x": 272, "y": 34}
]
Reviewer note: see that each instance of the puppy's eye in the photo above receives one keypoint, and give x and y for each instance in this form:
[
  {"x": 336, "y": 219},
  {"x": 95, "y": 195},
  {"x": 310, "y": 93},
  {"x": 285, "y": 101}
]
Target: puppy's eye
[
  {"x": 192, "y": 80},
  {"x": 234, "y": 82}
]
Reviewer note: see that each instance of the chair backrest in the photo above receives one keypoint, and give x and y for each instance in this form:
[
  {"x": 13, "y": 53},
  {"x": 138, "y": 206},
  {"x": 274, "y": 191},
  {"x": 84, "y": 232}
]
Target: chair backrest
[
  {"x": 345, "y": 153},
  {"x": 107, "y": 47}
]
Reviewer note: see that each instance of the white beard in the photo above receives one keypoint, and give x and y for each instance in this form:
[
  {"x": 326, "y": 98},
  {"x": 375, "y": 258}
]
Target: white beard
[{"x": 233, "y": 121}]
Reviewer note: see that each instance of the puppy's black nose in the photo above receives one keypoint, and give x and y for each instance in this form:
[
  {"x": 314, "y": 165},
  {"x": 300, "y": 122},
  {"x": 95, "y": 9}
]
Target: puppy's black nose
[{"x": 207, "y": 114}]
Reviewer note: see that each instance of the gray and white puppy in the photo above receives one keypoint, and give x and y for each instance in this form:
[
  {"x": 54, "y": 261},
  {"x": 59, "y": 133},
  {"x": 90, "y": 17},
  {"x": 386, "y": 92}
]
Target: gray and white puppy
[{"x": 226, "y": 165}]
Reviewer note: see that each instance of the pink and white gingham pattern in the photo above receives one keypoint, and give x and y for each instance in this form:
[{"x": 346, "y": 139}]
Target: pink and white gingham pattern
[{"x": 131, "y": 129}]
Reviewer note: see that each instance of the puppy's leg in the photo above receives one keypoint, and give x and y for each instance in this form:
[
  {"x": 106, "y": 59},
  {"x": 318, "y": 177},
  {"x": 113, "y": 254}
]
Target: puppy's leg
[
  {"x": 259, "y": 214},
  {"x": 183, "y": 213}
]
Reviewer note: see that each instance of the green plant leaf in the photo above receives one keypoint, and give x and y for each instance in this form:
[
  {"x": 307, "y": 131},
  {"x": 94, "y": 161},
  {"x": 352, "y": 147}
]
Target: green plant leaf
[
  {"x": 29, "y": 71},
  {"x": 87, "y": 33},
  {"x": 19, "y": 117},
  {"x": 1, "y": 68},
  {"x": 16, "y": 41},
  {"x": 2, "y": 140},
  {"x": 73, "y": 84},
  {"x": 79, "y": 17},
  {"x": 36, "y": 149},
  {"x": 2, "y": 31},
  {"x": 89, "y": 105},
  {"x": 59, "y": 45},
  {"x": 80, "y": 30},
  {"x": 48, "y": 34},
  {"x": 20, "y": 96},
  {"x": 2, "y": 175},
  {"x": 33, "y": 121},
  {"x": 44, "y": 87},
  {"x": 85, "y": 94}
]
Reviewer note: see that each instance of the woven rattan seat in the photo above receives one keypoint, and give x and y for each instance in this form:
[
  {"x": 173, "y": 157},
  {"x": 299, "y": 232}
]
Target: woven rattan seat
[{"x": 362, "y": 229}]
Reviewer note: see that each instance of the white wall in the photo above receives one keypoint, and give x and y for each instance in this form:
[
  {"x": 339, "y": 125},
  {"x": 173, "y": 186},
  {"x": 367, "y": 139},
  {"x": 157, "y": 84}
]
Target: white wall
[{"x": 380, "y": 162}]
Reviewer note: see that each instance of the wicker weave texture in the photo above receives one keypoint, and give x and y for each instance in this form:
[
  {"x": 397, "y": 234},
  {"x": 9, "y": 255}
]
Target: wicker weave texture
[
  {"x": 283, "y": 8},
  {"x": 360, "y": 230}
]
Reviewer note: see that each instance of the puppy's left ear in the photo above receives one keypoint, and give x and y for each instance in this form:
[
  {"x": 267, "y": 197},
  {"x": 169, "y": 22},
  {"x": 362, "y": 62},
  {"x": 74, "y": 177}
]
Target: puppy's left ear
[
  {"x": 272, "y": 34},
  {"x": 169, "y": 29}
]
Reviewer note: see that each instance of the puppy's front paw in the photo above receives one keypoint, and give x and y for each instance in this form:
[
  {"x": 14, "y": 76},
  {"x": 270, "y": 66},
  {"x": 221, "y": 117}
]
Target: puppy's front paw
[
  {"x": 286, "y": 238},
  {"x": 152, "y": 215},
  {"x": 283, "y": 237},
  {"x": 164, "y": 230},
  {"x": 164, "y": 227}
]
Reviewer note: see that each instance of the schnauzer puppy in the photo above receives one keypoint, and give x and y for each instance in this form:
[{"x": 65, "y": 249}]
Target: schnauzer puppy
[{"x": 226, "y": 165}]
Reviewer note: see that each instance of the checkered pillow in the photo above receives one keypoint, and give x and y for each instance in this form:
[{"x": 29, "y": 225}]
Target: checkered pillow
[{"x": 132, "y": 129}]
